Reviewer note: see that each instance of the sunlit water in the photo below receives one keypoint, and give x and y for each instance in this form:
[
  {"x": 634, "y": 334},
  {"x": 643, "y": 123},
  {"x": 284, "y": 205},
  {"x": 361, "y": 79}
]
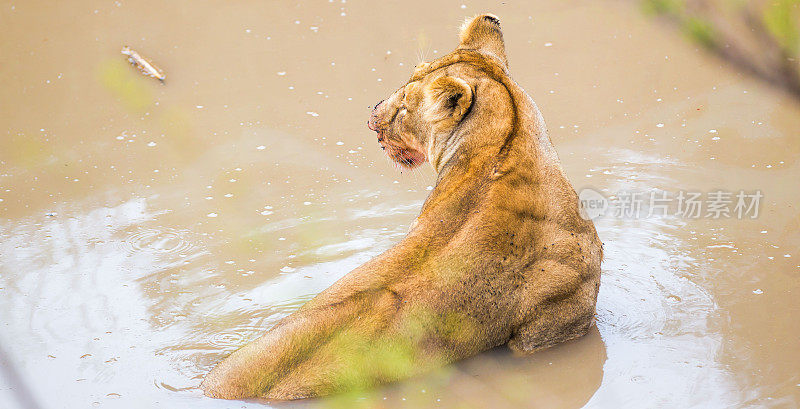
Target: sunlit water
[{"x": 147, "y": 231}]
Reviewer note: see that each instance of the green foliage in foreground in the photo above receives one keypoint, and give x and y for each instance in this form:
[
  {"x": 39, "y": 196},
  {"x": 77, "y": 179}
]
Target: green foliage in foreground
[
  {"x": 127, "y": 86},
  {"x": 759, "y": 36},
  {"x": 780, "y": 19},
  {"x": 695, "y": 26}
]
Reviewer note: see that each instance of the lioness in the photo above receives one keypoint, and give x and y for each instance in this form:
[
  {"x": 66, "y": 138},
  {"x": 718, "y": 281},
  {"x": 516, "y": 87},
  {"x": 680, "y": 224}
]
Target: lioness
[{"x": 499, "y": 253}]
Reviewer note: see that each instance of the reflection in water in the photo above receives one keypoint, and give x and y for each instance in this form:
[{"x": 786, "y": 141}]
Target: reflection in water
[
  {"x": 71, "y": 294},
  {"x": 656, "y": 322}
]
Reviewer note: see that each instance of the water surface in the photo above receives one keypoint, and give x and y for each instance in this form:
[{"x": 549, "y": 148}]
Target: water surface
[{"x": 148, "y": 230}]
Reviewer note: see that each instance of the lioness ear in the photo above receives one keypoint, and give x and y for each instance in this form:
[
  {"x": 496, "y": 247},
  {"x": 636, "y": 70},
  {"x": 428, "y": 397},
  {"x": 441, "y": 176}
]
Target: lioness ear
[
  {"x": 482, "y": 33},
  {"x": 447, "y": 99}
]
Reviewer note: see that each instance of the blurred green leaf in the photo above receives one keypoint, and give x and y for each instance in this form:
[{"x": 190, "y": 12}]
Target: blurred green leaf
[
  {"x": 24, "y": 150},
  {"x": 672, "y": 7},
  {"x": 700, "y": 31},
  {"x": 781, "y": 19},
  {"x": 126, "y": 84}
]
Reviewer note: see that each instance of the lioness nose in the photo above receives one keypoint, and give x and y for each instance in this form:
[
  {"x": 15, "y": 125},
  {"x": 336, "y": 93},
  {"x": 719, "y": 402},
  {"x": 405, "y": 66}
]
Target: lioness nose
[{"x": 372, "y": 123}]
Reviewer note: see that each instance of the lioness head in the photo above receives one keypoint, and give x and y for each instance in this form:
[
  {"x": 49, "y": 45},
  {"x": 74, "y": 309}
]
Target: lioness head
[{"x": 422, "y": 120}]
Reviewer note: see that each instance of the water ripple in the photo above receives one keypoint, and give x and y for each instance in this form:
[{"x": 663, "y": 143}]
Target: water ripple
[{"x": 161, "y": 241}]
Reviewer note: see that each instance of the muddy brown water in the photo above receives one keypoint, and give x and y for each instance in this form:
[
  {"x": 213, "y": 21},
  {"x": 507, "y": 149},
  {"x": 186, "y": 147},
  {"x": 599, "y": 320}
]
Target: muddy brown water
[{"x": 148, "y": 230}]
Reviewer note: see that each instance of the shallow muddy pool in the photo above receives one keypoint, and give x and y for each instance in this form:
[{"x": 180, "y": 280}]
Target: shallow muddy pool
[{"x": 148, "y": 229}]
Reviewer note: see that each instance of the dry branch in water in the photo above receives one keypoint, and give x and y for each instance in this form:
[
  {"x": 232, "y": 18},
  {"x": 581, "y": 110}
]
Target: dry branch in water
[{"x": 143, "y": 64}]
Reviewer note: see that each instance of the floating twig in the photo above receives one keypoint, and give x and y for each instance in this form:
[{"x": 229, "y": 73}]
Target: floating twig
[{"x": 143, "y": 64}]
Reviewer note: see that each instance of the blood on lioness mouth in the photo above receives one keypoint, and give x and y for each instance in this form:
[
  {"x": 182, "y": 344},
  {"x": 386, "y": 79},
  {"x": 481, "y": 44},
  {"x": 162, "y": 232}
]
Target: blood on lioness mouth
[{"x": 407, "y": 157}]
